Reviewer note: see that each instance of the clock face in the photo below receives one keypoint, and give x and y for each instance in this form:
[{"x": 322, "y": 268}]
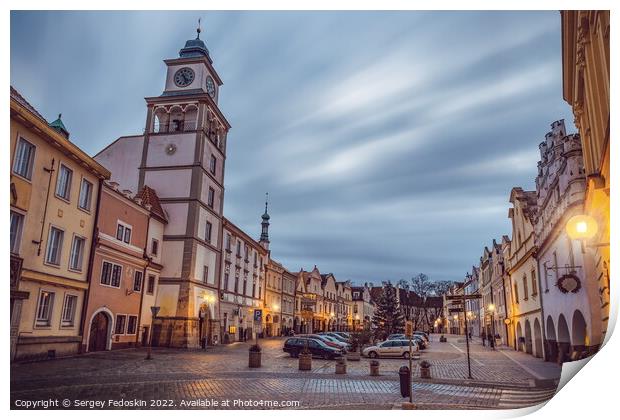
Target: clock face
[
  {"x": 184, "y": 77},
  {"x": 210, "y": 86}
]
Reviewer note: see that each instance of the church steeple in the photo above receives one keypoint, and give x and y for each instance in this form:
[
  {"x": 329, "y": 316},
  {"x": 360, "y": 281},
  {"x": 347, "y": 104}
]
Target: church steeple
[{"x": 264, "y": 236}]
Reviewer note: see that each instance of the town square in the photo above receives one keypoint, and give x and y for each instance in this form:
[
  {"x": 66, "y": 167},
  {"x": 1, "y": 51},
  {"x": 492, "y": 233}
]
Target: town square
[{"x": 347, "y": 223}]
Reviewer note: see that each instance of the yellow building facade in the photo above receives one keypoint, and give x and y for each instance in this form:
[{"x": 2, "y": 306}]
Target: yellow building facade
[
  {"x": 585, "y": 66},
  {"x": 54, "y": 199}
]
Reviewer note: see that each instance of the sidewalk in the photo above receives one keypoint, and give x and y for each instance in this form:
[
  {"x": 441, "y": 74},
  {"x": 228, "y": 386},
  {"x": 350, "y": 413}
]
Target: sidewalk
[{"x": 542, "y": 372}]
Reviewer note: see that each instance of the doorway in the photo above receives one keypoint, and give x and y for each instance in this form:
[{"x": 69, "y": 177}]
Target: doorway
[{"x": 99, "y": 327}]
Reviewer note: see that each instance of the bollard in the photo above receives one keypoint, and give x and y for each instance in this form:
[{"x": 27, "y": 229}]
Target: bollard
[
  {"x": 405, "y": 381},
  {"x": 374, "y": 368},
  {"x": 341, "y": 366}
]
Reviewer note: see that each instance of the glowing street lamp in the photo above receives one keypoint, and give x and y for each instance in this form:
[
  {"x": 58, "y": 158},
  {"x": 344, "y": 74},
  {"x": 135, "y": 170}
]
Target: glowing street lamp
[{"x": 581, "y": 227}]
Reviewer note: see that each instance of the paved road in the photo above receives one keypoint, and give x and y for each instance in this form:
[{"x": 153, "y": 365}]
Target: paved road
[{"x": 199, "y": 379}]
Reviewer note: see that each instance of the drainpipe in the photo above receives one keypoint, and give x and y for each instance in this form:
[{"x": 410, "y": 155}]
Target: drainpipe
[
  {"x": 148, "y": 262},
  {"x": 91, "y": 259},
  {"x": 47, "y": 199}
]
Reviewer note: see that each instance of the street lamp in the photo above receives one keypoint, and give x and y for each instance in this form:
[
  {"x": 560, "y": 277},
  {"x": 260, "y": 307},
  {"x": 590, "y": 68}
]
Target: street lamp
[
  {"x": 582, "y": 227},
  {"x": 492, "y": 310}
]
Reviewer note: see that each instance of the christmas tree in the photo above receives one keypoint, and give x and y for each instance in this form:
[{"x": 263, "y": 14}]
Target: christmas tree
[{"x": 388, "y": 318}]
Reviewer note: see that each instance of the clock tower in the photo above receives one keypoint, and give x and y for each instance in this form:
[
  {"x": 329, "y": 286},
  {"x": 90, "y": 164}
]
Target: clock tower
[{"x": 183, "y": 156}]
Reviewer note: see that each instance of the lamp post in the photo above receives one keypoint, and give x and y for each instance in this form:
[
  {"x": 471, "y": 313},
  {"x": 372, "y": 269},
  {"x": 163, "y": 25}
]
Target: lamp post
[
  {"x": 492, "y": 310},
  {"x": 154, "y": 312}
]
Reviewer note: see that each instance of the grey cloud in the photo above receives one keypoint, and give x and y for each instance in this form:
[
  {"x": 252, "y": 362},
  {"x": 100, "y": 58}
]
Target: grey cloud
[{"x": 389, "y": 141}]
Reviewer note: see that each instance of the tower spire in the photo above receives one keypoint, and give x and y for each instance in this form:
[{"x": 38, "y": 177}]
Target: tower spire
[
  {"x": 198, "y": 30},
  {"x": 264, "y": 235}
]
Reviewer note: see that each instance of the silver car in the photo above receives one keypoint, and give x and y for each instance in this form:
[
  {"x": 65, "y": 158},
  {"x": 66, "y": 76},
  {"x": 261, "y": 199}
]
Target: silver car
[{"x": 390, "y": 348}]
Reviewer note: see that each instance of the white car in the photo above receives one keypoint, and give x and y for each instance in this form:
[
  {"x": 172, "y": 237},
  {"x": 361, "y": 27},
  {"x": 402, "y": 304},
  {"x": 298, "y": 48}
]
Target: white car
[{"x": 390, "y": 348}]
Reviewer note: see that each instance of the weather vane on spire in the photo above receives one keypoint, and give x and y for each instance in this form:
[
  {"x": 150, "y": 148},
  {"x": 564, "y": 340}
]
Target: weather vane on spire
[
  {"x": 198, "y": 30},
  {"x": 266, "y": 201}
]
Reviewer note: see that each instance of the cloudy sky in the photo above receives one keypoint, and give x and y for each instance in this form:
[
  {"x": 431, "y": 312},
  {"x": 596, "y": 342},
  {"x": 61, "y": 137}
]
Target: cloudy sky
[{"x": 388, "y": 142}]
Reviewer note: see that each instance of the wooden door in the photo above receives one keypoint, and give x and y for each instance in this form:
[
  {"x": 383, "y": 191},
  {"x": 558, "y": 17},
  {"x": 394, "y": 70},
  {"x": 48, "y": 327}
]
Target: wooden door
[{"x": 98, "y": 339}]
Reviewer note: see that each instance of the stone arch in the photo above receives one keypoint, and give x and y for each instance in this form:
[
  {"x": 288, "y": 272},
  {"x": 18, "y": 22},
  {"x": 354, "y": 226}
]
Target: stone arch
[
  {"x": 519, "y": 338},
  {"x": 110, "y": 327},
  {"x": 580, "y": 339},
  {"x": 191, "y": 117},
  {"x": 176, "y": 119},
  {"x": 528, "y": 337},
  {"x": 563, "y": 339},
  {"x": 160, "y": 120},
  {"x": 538, "y": 341},
  {"x": 551, "y": 343}
]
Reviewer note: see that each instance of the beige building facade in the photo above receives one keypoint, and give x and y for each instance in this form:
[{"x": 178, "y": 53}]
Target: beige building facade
[
  {"x": 54, "y": 197},
  {"x": 585, "y": 67}
]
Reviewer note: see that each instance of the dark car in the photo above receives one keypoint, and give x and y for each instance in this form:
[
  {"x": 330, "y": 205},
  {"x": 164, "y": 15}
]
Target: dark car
[
  {"x": 294, "y": 346},
  {"x": 338, "y": 336}
]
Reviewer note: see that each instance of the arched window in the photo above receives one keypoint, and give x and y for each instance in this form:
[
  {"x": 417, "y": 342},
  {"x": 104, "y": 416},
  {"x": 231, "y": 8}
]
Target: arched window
[
  {"x": 516, "y": 293},
  {"x": 524, "y": 287}
]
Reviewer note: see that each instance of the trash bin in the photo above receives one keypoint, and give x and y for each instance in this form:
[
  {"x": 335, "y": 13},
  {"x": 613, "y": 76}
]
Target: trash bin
[{"x": 405, "y": 381}]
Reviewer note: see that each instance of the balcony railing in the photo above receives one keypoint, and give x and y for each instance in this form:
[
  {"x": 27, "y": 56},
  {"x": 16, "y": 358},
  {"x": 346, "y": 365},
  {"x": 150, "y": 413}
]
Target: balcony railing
[{"x": 174, "y": 127}]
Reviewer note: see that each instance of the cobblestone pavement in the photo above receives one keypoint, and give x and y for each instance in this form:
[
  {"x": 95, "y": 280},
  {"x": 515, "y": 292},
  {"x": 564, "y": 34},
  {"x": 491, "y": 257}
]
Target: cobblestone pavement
[{"x": 176, "y": 378}]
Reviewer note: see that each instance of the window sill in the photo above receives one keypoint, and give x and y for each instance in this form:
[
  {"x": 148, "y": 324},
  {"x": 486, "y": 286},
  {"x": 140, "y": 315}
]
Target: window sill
[
  {"x": 87, "y": 211},
  {"x": 61, "y": 198},
  {"x": 22, "y": 177},
  {"x": 50, "y": 264},
  {"x": 110, "y": 286},
  {"x": 75, "y": 270}
]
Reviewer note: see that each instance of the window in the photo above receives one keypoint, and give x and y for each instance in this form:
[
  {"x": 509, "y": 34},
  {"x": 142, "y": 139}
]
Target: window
[
  {"x": 516, "y": 293},
  {"x": 77, "y": 253},
  {"x": 63, "y": 182},
  {"x": 68, "y": 311},
  {"x": 123, "y": 233},
  {"x": 54, "y": 246},
  {"x": 132, "y": 322},
  {"x": 17, "y": 223},
  {"x": 525, "y": 287},
  {"x": 225, "y": 281},
  {"x": 154, "y": 246},
  {"x": 238, "y": 248},
  {"x": 24, "y": 159},
  {"x": 137, "y": 281},
  {"x": 111, "y": 274},
  {"x": 211, "y": 197},
  {"x": 245, "y": 251},
  {"x": 254, "y": 289},
  {"x": 86, "y": 193},
  {"x": 120, "y": 324},
  {"x": 534, "y": 287},
  {"x": 150, "y": 286},
  {"x": 208, "y": 232},
  {"x": 205, "y": 274},
  {"x": 245, "y": 284},
  {"x": 228, "y": 242},
  {"x": 213, "y": 164},
  {"x": 44, "y": 308},
  {"x": 236, "y": 284}
]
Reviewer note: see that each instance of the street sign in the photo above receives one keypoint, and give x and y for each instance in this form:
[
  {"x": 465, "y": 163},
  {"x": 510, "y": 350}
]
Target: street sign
[
  {"x": 409, "y": 328},
  {"x": 258, "y": 315},
  {"x": 455, "y": 311}
]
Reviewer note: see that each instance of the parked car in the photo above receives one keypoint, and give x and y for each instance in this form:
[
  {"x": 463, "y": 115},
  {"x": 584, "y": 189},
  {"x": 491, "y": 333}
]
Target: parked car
[
  {"x": 294, "y": 346},
  {"x": 337, "y": 336},
  {"x": 397, "y": 337},
  {"x": 423, "y": 334},
  {"x": 340, "y": 341},
  {"x": 417, "y": 339},
  {"x": 332, "y": 342},
  {"x": 390, "y": 348}
]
